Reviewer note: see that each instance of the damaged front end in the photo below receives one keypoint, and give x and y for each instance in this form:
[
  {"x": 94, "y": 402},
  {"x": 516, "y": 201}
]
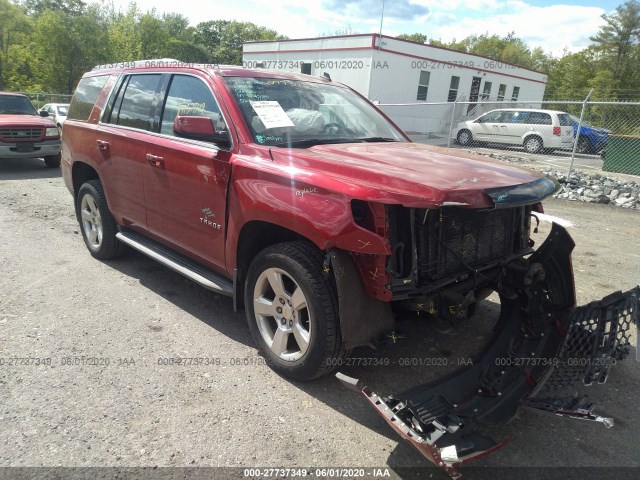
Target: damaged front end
[{"x": 542, "y": 347}]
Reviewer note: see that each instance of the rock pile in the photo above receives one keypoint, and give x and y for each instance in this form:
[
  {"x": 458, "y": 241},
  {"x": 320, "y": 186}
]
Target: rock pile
[
  {"x": 597, "y": 189},
  {"x": 585, "y": 187}
]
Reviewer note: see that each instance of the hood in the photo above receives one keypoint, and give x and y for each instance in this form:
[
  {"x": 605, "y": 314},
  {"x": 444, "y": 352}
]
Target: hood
[
  {"x": 10, "y": 120},
  {"x": 414, "y": 174}
]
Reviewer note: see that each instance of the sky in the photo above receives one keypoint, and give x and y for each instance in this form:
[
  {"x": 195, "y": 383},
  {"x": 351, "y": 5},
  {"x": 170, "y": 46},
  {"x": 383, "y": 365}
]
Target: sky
[{"x": 555, "y": 26}]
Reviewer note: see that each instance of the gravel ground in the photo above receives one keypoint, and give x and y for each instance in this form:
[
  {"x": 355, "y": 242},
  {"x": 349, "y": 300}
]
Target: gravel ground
[{"x": 58, "y": 303}]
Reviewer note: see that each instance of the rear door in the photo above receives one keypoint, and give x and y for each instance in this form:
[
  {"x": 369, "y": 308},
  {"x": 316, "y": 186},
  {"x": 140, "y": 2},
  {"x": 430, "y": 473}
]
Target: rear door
[
  {"x": 123, "y": 141},
  {"x": 185, "y": 181}
]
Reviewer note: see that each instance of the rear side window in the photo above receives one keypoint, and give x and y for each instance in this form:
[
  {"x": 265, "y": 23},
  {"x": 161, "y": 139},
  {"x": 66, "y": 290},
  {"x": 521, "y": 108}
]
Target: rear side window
[
  {"x": 565, "y": 120},
  {"x": 85, "y": 97},
  {"x": 539, "y": 118},
  {"x": 516, "y": 117},
  {"x": 135, "y": 104},
  {"x": 189, "y": 96}
]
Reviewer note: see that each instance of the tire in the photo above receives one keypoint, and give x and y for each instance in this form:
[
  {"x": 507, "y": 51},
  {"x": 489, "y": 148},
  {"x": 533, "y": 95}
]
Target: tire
[
  {"x": 52, "y": 161},
  {"x": 465, "y": 137},
  {"x": 533, "y": 144},
  {"x": 583, "y": 145},
  {"x": 297, "y": 328},
  {"x": 96, "y": 222}
]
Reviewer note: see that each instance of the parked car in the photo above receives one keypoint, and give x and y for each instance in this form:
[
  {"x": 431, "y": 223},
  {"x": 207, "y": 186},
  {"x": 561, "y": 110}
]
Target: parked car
[
  {"x": 298, "y": 198},
  {"x": 592, "y": 139},
  {"x": 57, "y": 112},
  {"x": 26, "y": 134},
  {"x": 533, "y": 129}
]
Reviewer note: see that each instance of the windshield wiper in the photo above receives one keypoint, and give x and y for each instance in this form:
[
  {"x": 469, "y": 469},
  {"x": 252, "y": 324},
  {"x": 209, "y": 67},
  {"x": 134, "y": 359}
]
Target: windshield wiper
[
  {"x": 310, "y": 142},
  {"x": 377, "y": 139}
]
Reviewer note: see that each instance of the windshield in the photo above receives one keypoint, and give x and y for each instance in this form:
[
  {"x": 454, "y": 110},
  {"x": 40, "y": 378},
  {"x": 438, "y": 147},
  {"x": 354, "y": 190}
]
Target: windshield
[
  {"x": 293, "y": 113},
  {"x": 16, "y": 104},
  {"x": 576, "y": 120},
  {"x": 63, "y": 109}
]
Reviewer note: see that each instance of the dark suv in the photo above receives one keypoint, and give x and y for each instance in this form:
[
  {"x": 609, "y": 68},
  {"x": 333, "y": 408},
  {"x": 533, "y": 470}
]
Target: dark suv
[
  {"x": 299, "y": 199},
  {"x": 24, "y": 133}
]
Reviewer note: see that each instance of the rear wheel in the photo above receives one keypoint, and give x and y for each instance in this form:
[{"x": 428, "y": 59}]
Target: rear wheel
[
  {"x": 52, "y": 161},
  {"x": 465, "y": 137},
  {"x": 292, "y": 311},
  {"x": 97, "y": 225},
  {"x": 533, "y": 144}
]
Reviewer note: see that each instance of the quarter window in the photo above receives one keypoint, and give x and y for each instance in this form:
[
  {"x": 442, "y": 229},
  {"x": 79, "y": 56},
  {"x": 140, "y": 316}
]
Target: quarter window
[
  {"x": 423, "y": 86},
  {"x": 85, "y": 97},
  {"x": 453, "y": 89},
  {"x": 190, "y": 96}
]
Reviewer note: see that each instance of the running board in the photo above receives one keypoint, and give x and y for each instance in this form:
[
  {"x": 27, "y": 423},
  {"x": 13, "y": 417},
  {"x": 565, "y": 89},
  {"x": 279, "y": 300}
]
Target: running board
[{"x": 177, "y": 262}]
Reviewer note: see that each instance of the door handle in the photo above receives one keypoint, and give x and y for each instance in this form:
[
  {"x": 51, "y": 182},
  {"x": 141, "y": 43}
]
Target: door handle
[
  {"x": 155, "y": 160},
  {"x": 102, "y": 145}
]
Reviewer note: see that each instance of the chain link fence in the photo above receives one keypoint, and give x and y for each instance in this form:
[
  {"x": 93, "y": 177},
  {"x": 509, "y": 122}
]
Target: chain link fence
[
  {"x": 601, "y": 136},
  {"x": 41, "y": 99}
]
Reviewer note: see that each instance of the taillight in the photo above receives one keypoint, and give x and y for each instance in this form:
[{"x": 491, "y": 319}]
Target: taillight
[{"x": 556, "y": 131}]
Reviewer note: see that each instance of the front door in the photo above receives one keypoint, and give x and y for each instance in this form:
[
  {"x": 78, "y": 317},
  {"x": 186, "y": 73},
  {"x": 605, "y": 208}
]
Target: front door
[{"x": 185, "y": 181}]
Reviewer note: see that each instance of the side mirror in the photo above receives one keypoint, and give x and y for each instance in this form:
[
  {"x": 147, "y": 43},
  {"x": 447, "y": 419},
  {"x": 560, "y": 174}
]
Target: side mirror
[
  {"x": 199, "y": 128},
  {"x": 44, "y": 113},
  {"x": 196, "y": 128}
]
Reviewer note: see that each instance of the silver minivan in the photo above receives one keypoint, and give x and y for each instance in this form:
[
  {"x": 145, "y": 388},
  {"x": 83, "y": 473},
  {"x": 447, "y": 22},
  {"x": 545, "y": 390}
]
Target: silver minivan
[{"x": 533, "y": 129}]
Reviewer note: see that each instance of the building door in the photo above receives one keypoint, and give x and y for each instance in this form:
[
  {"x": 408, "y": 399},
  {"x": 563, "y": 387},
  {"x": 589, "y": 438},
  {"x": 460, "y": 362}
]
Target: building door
[{"x": 473, "y": 93}]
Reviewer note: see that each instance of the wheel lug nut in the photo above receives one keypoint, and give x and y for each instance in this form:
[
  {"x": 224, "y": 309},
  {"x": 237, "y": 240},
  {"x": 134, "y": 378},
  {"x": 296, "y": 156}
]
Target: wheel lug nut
[
  {"x": 279, "y": 310},
  {"x": 283, "y": 321},
  {"x": 282, "y": 301}
]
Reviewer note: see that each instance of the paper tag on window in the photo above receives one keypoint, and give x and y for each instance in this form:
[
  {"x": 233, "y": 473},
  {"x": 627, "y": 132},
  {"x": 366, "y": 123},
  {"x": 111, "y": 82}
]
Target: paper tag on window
[{"x": 272, "y": 114}]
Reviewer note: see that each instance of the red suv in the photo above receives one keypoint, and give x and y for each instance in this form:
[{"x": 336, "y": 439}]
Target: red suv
[
  {"x": 24, "y": 134},
  {"x": 298, "y": 198}
]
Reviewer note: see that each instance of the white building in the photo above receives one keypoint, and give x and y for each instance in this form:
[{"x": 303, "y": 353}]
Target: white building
[
  {"x": 392, "y": 71},
  {"x": 398, "y": 71}
]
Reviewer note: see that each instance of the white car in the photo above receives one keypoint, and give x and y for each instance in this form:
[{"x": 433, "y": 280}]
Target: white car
[
  {"x": 532, "y": 129},
  {"x": 57, "y": 113}
]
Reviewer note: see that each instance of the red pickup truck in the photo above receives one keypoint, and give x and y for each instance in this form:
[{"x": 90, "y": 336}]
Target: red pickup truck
[
  {"x": 298, "y": 198},
  {"x": 24, "y": 134}
]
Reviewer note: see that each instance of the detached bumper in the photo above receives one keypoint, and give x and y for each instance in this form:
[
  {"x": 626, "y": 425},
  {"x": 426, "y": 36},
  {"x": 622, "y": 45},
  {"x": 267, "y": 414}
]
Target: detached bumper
[{"x": 543, "y": 347}]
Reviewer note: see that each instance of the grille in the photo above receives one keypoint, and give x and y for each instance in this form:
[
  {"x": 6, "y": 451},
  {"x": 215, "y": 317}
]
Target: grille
[
  {"x": 21, "y": 133},
  {"x": 450, "y": 237}
]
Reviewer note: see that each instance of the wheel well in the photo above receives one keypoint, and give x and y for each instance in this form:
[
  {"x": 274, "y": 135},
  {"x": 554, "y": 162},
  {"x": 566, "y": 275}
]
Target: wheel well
[
  {"x": 532, "y": 135},
  {"x": 81, "y": 172},
  {"x": 254, "y": 237}
]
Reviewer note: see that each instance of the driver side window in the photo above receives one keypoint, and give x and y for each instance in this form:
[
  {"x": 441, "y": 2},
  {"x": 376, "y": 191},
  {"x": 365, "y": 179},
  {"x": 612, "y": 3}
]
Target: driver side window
[{"x": 190, "y": 96}]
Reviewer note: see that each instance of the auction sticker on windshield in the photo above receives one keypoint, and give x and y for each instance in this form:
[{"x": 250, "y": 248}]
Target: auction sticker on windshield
[{"x": 272, "y": 114}]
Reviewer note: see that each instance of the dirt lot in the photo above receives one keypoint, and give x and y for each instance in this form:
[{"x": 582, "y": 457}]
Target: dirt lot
[{"x": 58, "y": 303}]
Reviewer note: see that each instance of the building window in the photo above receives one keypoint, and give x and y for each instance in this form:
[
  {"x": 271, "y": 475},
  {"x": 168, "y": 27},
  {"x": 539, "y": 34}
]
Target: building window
[
  {"x": 514, "y": 95},
  {"x": 423, "y": 86},
  {"x": 306, "y": 68},
  {"x": 453, "y": 89},
  {"x": 501, "y": 92},
  {"x": 486, "y": 91}
]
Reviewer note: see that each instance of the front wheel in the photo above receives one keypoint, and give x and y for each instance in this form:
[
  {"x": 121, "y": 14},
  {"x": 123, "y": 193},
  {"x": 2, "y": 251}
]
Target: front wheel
[
  {"x": 292, "y": 311},
  {"x": 583, "y": 145},
  {"x": 97, "y": 225},
  {"x": 52, "y": 161},
  {"x": 465, "y": 138}
]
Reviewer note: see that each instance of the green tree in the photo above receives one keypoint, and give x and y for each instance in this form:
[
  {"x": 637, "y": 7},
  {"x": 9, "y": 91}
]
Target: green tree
[{"x": 413, "y": 37}]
